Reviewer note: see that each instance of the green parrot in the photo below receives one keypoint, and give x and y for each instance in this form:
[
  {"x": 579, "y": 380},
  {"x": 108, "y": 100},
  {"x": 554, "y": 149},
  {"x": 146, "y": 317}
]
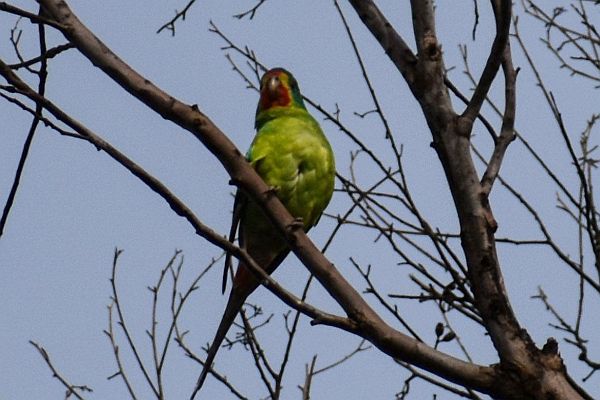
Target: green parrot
[{"x": 292, "y": 155}]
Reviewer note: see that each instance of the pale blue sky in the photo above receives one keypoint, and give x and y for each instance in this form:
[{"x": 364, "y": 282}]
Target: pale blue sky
[{"x": 75, "y": 205}]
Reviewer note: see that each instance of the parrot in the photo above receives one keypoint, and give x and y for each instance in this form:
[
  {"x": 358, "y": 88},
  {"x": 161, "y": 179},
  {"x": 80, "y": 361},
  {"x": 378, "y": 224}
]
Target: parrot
[{"x": 292, "y": 155}]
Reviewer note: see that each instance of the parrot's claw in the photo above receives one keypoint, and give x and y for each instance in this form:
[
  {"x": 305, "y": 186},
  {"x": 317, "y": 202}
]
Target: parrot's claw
[
  {"x": 272, "y": 191},
  {"x": 298, "y": 223}
]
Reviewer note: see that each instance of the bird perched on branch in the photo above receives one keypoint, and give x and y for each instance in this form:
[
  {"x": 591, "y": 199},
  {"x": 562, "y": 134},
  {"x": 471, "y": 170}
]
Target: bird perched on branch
[{"x": 292, "y": 155}]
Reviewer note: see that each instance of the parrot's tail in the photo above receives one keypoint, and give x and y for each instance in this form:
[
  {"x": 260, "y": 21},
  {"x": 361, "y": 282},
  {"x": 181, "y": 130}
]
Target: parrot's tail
[
  {"x": 234, "y": 304},
  {"x": 244, "y": 284}
]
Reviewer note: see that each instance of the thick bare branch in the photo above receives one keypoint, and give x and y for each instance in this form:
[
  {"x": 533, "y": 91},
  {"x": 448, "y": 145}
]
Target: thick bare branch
[
  {"x": 423, "y": 24},
  {"x": 391, "y": 42}
]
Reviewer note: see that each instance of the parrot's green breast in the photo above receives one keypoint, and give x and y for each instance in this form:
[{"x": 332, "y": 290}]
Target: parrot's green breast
[{"x": 292, "y": 155}]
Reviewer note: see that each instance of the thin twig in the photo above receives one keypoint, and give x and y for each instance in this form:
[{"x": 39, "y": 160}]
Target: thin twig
[
  {"x": 170, "y": 25},
  {"x": 72, "y": 390}
]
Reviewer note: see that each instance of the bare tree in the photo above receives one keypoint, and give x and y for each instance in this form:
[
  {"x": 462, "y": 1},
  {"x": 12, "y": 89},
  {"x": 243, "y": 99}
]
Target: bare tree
[{"x": 457, "y": 274}]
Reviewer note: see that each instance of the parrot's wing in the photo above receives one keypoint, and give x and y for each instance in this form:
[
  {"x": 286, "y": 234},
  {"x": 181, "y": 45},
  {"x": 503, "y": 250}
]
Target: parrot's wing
[{"x": 238, "y": 207}]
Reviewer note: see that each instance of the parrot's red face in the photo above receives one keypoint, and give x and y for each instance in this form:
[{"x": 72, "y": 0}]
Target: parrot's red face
[
  {"x": 274, "y": 90},
  {"x": 278, "y": 88}
]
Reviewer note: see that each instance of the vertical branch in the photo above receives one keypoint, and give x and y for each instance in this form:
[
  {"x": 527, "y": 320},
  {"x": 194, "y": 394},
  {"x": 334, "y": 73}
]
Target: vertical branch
[
  {"x": 502, "y": 12},
  {"x": 260, "y": 359},
  {"x": 157, "y": 357},
  {"x": 125, "y": 329},
  {"x": 423, "y": 16},
  {"x": 117, "y": 353},
  {"x": 42, "y": 75},
  {"x": 507, "y": 132}
]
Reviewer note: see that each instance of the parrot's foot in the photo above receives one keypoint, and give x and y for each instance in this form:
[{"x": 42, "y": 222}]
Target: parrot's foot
[
  {"x": 272, "y": 191},
  {"x": 298, "y": 223}
]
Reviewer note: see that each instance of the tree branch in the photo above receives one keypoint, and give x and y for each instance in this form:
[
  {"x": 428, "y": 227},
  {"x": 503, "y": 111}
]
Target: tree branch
[
  {"x": 391, "y": 42},
  {"x": 34, "y": 18},
  {"x": 502, "y": 11},
  {"x": 507, "y": 132},
  {"x": 72, "y": 390},
  {"x": 42, "y": 75}
]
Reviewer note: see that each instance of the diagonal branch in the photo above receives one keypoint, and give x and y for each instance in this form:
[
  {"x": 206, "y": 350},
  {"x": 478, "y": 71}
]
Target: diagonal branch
[
  {"x": 391, "y": 42},
  {"x": 72, "y": 390}
]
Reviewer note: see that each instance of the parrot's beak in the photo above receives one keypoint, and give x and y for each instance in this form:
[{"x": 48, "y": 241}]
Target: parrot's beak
[{"x": 273, "y": 85}]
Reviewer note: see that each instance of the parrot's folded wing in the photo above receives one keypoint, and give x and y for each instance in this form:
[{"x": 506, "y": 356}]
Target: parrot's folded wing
[{"x": 238, "y": 208}]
